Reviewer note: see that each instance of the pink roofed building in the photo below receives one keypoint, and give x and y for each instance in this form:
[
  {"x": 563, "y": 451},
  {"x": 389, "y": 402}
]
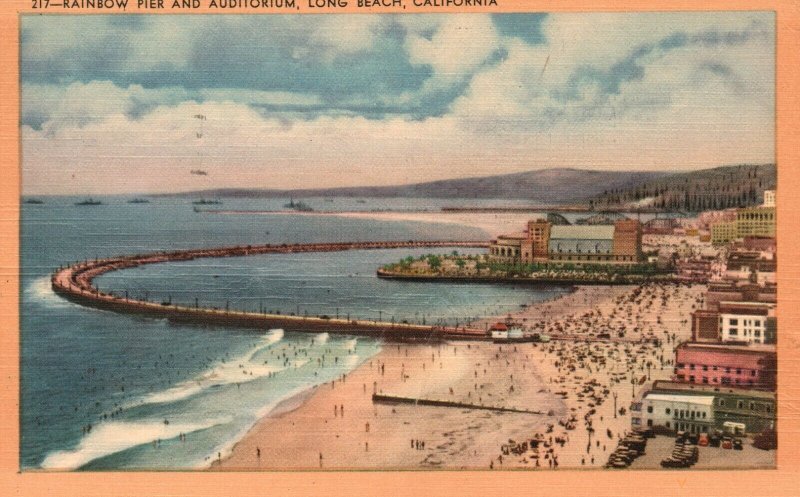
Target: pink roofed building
[{"x": 751, "y": 366}]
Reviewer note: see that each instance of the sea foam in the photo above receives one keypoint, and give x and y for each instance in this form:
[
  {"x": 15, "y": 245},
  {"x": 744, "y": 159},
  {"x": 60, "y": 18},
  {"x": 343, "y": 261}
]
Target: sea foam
[
  {"x": 109, "y": 438},
  {"x": 241, "y": 369}
]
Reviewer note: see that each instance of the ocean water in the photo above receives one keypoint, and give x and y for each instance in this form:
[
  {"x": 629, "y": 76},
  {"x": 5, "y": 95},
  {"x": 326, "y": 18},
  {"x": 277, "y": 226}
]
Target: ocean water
[{"x": 103, "y": 391}]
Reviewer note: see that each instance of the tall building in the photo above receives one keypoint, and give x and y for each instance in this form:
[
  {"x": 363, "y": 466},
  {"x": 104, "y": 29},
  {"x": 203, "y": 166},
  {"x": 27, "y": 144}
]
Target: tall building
[
  {"x": 755, "y": 221},
  {"x": 723, "y": 232},
  {"x": 749, "y": 222},
  {"x": 769, "y": 198}
]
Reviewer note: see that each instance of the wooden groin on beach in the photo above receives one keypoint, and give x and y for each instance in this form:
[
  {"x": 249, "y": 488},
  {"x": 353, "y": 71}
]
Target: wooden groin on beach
[
  {"x": 395, "y": 399},
  {"x": 74, "y": 283}
]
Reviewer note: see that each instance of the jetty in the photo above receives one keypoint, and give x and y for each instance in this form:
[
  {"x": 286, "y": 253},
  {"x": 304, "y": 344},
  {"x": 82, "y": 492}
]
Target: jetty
[
  {"x": 396, "y": 399},
  {"x": 74, "y": 283}
]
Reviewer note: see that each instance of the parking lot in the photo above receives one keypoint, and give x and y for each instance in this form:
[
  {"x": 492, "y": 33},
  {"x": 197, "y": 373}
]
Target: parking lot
[{"x": 710, "y": 457}]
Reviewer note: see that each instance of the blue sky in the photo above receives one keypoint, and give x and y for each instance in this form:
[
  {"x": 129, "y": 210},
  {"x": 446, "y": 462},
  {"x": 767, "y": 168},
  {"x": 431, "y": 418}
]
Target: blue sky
[{"x": 292, "y": 101}]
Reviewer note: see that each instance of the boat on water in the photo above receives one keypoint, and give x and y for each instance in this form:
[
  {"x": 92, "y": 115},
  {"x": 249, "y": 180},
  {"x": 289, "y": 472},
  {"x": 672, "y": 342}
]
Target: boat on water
[
  {"x": 89, "y": 201},
  {"x": 204, "y": 201},
  {"x": 359, "y": 201},
  {"x": 138, "y": 201},
  {"x": 34, "y": 201},
  {"x": 298, "y": 206}
]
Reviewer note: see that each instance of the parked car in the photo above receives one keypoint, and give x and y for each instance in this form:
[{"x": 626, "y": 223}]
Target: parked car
[
  {"x": 727, "y": 443},
  {"x": 693, "y": 438},
  {"x": 737, "y": 444},
  {"x": 714, "y": 440},
  {"x": 703, "y": 440}
]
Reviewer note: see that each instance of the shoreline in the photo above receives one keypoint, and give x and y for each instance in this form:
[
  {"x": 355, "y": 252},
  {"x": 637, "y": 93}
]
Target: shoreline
[
  {"x": 572, "y": 382},
  {"x": 532, "y": 388}
]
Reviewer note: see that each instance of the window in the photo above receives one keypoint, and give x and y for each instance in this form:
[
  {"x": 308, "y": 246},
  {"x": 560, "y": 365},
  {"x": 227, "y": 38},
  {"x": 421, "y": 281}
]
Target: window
[
  {"x": 714, "y": 368},
  {"x": 649, "y": 408},
  {"x": 691, "y": 379},
  {"x": 727, "y": 370},
  {"x": 705, "y": 368},
  {"x": 649, "y": 422},
  {"x": 705, "y": 379},
  {"x": 738, "y": 371},
  {"x": 704, "y": 415},
  {"x": 734, "y": 322},
  {"x": 667, "y": 410},
  {"x": 722, "y": 402},
  {"x": 752, "y": 406},
  {"x": 691, "y": 366},
  {"x": 740, "y": 404},
  {"x": 733, "y": 332},
  {"x": 753, "y": 372},
  {"x": 667, "y": 424}
]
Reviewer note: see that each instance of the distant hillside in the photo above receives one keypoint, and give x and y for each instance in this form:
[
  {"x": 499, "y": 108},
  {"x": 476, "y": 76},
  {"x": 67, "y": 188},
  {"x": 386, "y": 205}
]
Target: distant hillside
[
  {"x": 708, "y": 189},
  {"x": 548, "y": 186}
]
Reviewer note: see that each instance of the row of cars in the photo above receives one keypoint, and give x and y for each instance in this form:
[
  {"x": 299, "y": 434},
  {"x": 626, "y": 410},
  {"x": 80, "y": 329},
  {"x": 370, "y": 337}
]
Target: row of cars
[
  {"x": 629, "y": 448},
  {"x": 684, "y": 455},
  {"x": 715, "y": 439}
]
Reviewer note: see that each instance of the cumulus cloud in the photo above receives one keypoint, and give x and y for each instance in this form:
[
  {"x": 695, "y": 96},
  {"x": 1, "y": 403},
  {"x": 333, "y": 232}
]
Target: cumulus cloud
[{"x": 387, "y": 99}]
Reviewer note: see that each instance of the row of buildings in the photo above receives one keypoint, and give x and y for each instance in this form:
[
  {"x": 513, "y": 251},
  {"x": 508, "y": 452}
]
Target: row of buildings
[
  {"x": 730, "y": 388},
  {"x": 751, "y": 221},
  {"x": 542, "y": 241},
  {"x": 725, "y": 377}
]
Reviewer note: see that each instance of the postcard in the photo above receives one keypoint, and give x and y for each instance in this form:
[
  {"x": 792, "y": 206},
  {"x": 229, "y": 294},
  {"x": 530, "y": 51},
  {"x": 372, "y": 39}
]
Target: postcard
[{"x": 466, "y": 241}]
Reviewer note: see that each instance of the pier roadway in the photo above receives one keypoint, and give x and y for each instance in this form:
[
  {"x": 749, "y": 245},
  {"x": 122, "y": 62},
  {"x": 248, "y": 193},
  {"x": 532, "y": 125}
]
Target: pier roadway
[{"x": 74, "y": 283}]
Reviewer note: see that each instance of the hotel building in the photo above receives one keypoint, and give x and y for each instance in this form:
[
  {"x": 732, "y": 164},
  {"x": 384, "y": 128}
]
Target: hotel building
[{"x": 750, "y": 366}]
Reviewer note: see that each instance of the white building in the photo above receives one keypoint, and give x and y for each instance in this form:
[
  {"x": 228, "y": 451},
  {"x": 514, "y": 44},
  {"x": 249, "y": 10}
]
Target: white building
[
  {"x": 692, "y": 413},
  {"x": 750, "y": 328},
  {"x": 769, "y": 198}
]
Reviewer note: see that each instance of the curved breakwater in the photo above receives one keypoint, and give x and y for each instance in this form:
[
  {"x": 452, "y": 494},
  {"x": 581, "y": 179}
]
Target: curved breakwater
[{"x": 75, "y": 283}]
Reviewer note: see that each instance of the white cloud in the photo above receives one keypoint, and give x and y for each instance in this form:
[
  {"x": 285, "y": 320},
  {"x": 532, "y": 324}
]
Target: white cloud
[
  {"x": 459, "y": 45},
  {"x": 702, "y": 104}
]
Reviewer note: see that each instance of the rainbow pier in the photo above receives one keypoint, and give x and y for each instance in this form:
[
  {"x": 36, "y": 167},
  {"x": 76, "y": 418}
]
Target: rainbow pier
[{"x": 74, "y": 283}]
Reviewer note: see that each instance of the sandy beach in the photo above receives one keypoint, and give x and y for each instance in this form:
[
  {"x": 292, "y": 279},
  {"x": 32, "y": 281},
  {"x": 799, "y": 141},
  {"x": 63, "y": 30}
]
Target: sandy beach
[{"x": 571, "y": 382}]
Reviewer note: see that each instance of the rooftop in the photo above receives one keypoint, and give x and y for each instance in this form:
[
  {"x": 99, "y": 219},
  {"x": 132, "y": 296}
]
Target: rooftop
[
  {"x": 705, "y": 400},
  {"x": 664, "y": 386},
  {"x": 594, "y": 232},
  {"x": 721, "y": 347}
]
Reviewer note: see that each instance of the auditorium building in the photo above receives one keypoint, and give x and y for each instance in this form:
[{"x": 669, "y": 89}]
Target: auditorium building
[{"x": 620, "y": 243}]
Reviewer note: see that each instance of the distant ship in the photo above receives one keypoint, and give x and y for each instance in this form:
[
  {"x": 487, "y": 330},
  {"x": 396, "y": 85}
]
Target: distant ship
[
  {"x": 89, "y": 201},
  {"x": 35, "y": 201},
  {"x": 199, "y": 172},
  {"x": 138, "y": 201},
  {"x": 298, "y": 206},
  {"x": 361, "y": 201},
  {"x": 204, "y": 201}
]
